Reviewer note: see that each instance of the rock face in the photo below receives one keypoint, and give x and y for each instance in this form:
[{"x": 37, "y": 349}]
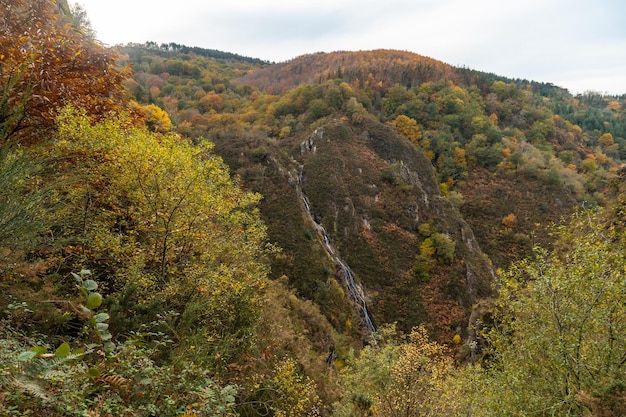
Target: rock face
[{"x": 363, "y": 198}]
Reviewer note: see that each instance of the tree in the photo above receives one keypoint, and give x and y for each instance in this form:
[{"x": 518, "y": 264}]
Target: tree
[
  {"x": 296, "y": 393},
  {"x": 408, "y": 128},
  {"x": 394, "y": 98},
  {"x": 81, "y": 20},
  {"x": 164, "y": 217},
  {"x": 21, "y": 203},
  {"x": 155, "y": 118},
  {"x": 559, "y": 347},
  {"x": 45, "y": 64},
  {"x": 398, "y": 376}
]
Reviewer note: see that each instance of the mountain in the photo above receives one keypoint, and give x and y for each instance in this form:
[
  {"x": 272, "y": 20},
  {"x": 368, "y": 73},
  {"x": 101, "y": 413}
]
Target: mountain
[
  {"x": 379, "y": 66},
  {"x": 193, "y": 232},
  {"x": 401, "y": 158},
  {"x": 376, "y": 197}
]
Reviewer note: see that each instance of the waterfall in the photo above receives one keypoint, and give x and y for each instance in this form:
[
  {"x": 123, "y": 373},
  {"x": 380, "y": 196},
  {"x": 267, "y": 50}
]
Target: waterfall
[{"x": 357, "y": 295}]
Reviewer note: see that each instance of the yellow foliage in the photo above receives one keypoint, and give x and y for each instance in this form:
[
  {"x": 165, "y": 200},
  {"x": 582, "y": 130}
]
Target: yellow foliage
[
  {"x": 427, "y": 248},
  {"x": 404, "y": 376},
  {"x": 296, "y": 393},
  {"x": 167, "y": 212},
  {"x": 157, "y": 119},
  {"x": 613, "y": 105},
  {"x": 408, "y": 128},
  {"x": 606, "y": 140},
  {"x": 589, "y": 164}
]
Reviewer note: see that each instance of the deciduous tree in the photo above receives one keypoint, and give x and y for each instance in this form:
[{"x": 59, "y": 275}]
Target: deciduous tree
[
  {"x": 562, "y": 334},
  {"x": 46, "y": 62},
  {"x": 163, "y": 215}
]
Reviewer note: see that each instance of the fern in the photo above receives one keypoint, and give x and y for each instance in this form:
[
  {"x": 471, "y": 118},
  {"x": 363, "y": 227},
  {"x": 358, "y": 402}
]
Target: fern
[
  {"x": 31, "y": 386},
  {"x": 116, "y": 382},
  {"x": 31, "y": 375}
]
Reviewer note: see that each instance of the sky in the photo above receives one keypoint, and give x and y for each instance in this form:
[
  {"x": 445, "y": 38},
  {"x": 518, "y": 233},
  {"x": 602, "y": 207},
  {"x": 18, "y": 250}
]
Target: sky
[{"x": 576, "y": 44}]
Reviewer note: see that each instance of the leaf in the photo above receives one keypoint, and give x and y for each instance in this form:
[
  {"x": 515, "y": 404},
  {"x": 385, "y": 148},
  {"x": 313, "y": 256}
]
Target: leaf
[
  {"x": 93, "y": 372},
  {"x": 101, "y": 317},
  {"x": 86, "y": 310},
  {"x": 90, "y": 285},
  {"x": 40, "y": 350},
  {"x": 63, "y": 350},
  {"x": 24, "y": 356},
  {"x": 79, "y": 353},
  {"x": 105, "y": 336},
  {"x": 145, "y": 381},
  {"x": 94, "y": 300},
  {"x": 101, "y": 327}
]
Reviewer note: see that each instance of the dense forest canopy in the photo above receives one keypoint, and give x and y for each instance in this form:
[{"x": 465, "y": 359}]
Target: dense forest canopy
[{"x": 191, "y": 232}]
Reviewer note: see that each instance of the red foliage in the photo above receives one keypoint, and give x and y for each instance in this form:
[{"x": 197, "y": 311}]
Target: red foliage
[
  {"x": 380, "y": 69},
  {"x": 46, "y": 62}
]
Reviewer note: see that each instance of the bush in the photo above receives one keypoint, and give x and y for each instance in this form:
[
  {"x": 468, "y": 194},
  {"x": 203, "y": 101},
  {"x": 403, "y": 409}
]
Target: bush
[{"x": 103, "y": 377}]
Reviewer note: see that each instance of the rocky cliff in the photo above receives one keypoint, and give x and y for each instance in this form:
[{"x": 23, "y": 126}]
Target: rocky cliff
[{"x": 359, "y": 202}]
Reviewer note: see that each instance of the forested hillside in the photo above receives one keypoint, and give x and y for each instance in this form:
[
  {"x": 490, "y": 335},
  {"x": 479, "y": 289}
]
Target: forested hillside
[{"x": 191, "y": 232}]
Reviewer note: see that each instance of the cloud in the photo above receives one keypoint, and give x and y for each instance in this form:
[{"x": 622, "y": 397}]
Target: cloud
[{"x": 544, "y": 40}]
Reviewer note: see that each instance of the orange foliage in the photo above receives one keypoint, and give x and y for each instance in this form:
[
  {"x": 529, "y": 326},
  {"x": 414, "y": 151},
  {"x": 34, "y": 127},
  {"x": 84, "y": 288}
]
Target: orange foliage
[
  {"x": 361, "y": 69},
  {"x": 509, "y": 221},
  {"x": 47, "y": 63},
  {"x": 613, "y": 105},
  {"x": 210, "y": 101},
  {"x": 153, "y": 116}
]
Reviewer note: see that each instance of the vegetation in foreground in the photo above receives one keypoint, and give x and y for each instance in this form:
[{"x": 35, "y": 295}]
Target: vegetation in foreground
[{"x": 136, "y": 274}]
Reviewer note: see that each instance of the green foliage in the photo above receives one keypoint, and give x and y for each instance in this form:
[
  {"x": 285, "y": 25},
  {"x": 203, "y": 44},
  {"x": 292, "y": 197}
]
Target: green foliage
[
  {"x": 170, "y": 216},
  {"x": 444, "y": 247},
  {"x": 561, "y": 333},
  {"x": 318, "y": 108},
  {"x": 394, "y": 175},
  {"x": 179, "y": 247},
  {"x": 21, "y": 199},
  {"x": 434, "y": 246},
  {"x": 104, "y": 377}
]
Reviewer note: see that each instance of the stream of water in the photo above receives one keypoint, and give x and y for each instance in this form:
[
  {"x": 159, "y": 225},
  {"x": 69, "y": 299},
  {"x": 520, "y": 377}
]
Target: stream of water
[{"x": 357, "y": 295}]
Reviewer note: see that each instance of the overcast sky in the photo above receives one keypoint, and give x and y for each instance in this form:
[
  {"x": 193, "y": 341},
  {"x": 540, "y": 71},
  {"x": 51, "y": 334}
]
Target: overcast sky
[{"x": 576, "y": 44}]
